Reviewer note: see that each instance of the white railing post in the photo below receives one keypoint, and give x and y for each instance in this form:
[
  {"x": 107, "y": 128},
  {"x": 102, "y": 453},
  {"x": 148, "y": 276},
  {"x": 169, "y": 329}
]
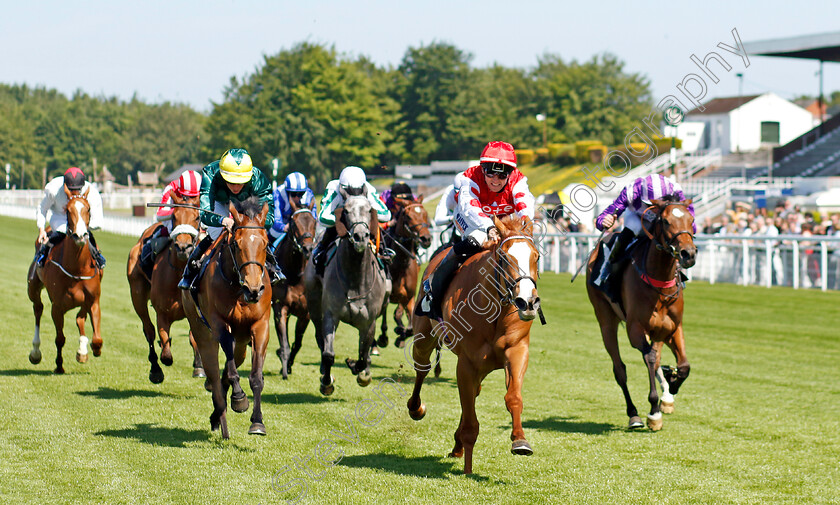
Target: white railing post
[
  {"x": 712, "y": 254},
  {"x": 796, "y": 266},
  {"x": 824, "y": 266},
  {"x": 573, "y": 257},
  {"x": 555, "y": 253},
  {"x": 768, "y": 263},
  {"x": 745, "y": 263}
]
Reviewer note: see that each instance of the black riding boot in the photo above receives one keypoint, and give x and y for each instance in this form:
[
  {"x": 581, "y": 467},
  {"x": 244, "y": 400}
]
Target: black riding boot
[
  {"x": 53, "y": 238},
  {"x": 194, "y": 262},
  {"x": 435, "y": 285},
  {"x": 274, "y": 269},
  {"x": 613, "y": 265},
  {"x": 319, "y": 256},
  {"x": 153, "y": 246},
  {"x": 97, "y": 254}
]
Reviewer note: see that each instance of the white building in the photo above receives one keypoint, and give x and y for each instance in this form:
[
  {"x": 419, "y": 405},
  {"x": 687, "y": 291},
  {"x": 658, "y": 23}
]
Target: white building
[{"x": 743, "y": 124}]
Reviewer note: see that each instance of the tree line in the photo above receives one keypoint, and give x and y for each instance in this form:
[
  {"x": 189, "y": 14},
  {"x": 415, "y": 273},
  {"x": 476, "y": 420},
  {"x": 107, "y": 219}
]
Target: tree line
[{"x": 317, "y": 110}]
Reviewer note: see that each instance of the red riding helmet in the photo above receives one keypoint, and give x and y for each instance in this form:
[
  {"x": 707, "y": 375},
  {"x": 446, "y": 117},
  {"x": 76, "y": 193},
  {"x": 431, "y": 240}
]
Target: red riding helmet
[
  {"x": 499, "y": 152},
  {"x": 189, "y": 184}
]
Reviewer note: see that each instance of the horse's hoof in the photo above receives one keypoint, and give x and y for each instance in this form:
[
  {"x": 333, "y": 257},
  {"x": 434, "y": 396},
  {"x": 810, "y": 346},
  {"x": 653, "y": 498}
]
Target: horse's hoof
[
  {"x": 364, "y": 378},
  {"x": 419, "y": 413},
  {"x": 81, "y": 358},
  {"x": 437, "y": 371},
  {"x": 239, "y": 404},
  {"x": 166, "y": 360},
  {"x": 156, "y": 377},
  {"x": 328, "y": 389},
  {"x": 58, "y": 370},
  {"x": 207, "y": 385},
  {"x": 666, "y": 407},
  {"x": 454, "y": 454},
  {"x": 521, "y": 448},
  {"x": 97, "y": 350},
  {"x": 35, "y": 356},
  {"x": 198, "y": 373},
  {"x": 635, "y": 423},
  {"x": 257, "y": 429},
  {"x": 382, "y": 341},
  {"x": 654, "y": 422},
  {"x": 399, "y": 342}
]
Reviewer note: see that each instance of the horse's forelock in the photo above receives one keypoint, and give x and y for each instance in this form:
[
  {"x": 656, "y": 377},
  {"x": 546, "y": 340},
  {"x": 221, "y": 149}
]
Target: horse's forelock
[
  {"x": 251, "y": 206},
  {"x": 513, "y": 224}
]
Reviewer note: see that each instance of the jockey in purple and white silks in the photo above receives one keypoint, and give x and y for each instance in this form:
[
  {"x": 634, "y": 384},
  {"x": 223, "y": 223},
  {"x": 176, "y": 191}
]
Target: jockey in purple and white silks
[{"x": 632, "y": 202}]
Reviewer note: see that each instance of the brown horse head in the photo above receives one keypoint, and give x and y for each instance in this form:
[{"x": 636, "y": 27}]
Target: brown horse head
[
  {"x": 302, "y": 230},
  {"x": 413, "y": 221},
  {"x": 78, "y": 215},
  {"x": 672, "y": 230},
  {"x": 185, "y": 225},
  {"x": 517, "y": 258},
  {"x": 248, "y": 245}
]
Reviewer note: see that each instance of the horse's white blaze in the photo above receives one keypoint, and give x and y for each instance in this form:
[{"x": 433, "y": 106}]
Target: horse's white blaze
[
  {"x": 253, "y": 238},
  {"x": 83, "y": 344},
  {"x": 677, "y": 213},
  {"x": 522, "y": 253},
  {"x": 81, "y": 229}
]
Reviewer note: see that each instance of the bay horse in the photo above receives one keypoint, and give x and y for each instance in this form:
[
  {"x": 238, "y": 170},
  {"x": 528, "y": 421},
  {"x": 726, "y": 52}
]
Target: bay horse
[
  {"x": 354, "y": 290},
  {"x": 161, "y": 289},
  {"x": 289, "y": 298},
  {"x": 651, "y": 304},
  {"x": 232, "y": 309},
  {"x": 72, "y": 280},
  {"x": 410, "y": 232},
  {"x": 488, "y": 310}
]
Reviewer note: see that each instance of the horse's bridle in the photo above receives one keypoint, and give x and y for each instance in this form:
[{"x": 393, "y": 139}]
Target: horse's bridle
[
  {"x": 507, "y": 296},
  {"x": 237, "y": 266},
  {"x": 412, "y": 230},
  {"x": 295, "y": 241},
  {"x": 661, "y": 245},
  {"x": 70, "y": 199}
]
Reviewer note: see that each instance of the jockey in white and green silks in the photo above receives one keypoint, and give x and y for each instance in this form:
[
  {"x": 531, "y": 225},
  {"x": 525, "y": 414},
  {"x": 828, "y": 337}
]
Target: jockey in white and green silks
[{"x": 351, "y": 182}]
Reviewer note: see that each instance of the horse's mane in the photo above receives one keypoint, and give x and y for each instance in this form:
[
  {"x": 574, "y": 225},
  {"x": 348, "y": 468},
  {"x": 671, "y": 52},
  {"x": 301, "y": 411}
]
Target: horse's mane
[
  {"x": 670, "y": 198},
  {"x": 512, "y": 225},
  {"x": 251, "y": 206}
]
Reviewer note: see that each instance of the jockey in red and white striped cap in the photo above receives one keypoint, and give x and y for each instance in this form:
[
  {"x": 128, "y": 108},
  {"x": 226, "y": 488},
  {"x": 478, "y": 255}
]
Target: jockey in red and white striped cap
[{"x": 186, "y": 186}]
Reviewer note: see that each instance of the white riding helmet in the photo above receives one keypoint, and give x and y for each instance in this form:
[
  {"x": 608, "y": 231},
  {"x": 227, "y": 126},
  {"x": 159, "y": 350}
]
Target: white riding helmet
[{"x": 352, "y": 179}]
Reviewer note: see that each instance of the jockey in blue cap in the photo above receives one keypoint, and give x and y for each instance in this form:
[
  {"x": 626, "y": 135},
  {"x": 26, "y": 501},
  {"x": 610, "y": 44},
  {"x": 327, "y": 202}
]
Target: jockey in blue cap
[{"x": 293, "y": 190}]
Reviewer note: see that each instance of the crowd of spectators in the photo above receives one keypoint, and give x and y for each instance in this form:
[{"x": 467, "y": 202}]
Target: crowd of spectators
[{"x": 786, "y": 219}]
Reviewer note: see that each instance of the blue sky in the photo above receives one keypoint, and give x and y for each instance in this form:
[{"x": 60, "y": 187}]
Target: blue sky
[{"x": 187, "y": 51}]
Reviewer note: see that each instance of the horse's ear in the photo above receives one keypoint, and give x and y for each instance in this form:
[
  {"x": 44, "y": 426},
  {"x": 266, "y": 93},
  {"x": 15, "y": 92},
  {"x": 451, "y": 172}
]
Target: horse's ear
[
  {"x": 87, "y": 191},
  {"x": 688, "y": 202},
  {"x": 264, "y": 212},
  {"x": 498, "y": 223},
  {"x": 527, "y": 225},
  {"x": 67, "y": 192},
  {"x": 293, "y": 205},
  {"x": 340, "y": 228},
  {"x": 233, "y": 212},
  {"x": 658, "y": 203},
  {"x": 420, "y": 199}
]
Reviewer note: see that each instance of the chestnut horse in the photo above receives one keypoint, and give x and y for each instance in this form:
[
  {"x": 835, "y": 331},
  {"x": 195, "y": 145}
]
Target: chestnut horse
[
  {"x": 410, "y": 233},
  {"x": 488, "y": 310},
  {"x": 289, "y": 298},
  {"x": 651, "y": 304},
  {"x": 162, "y": 288},
  {"x": 233, "y": 310},
  {"x": 72, "y": 280}
]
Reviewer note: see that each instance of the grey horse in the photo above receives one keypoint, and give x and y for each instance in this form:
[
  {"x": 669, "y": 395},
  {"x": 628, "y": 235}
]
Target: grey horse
[{"x": 354, "y": 290}]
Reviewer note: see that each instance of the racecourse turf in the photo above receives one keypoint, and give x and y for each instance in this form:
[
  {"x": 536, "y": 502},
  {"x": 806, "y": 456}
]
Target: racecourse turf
[{"x": 758, "y": 420}]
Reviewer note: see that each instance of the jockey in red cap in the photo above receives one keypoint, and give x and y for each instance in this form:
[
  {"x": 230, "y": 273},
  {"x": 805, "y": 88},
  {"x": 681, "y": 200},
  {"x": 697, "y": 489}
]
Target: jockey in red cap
[{"x": 494, "y": 187}]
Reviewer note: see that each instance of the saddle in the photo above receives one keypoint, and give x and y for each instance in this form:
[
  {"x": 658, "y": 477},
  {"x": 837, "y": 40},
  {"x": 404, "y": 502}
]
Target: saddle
[
  {"x": 152, "y": 246},
  {"x": 612, "y": 283}
]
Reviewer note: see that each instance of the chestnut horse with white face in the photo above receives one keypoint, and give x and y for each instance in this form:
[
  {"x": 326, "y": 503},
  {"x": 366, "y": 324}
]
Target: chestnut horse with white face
[
  {"x": 488, "y": 310},
  {"x": 162, "y": 288},
  {"x": 651, "y": 304},
  {"x": 72, "y": 280}
]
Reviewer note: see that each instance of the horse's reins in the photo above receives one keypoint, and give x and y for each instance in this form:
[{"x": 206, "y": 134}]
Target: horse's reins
[
  {"x": 667, "y": 248},
  {"x": 236, "y": 264},
  {"x": 507, "y": 297},
  {"x": 59, "y": 265}
]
